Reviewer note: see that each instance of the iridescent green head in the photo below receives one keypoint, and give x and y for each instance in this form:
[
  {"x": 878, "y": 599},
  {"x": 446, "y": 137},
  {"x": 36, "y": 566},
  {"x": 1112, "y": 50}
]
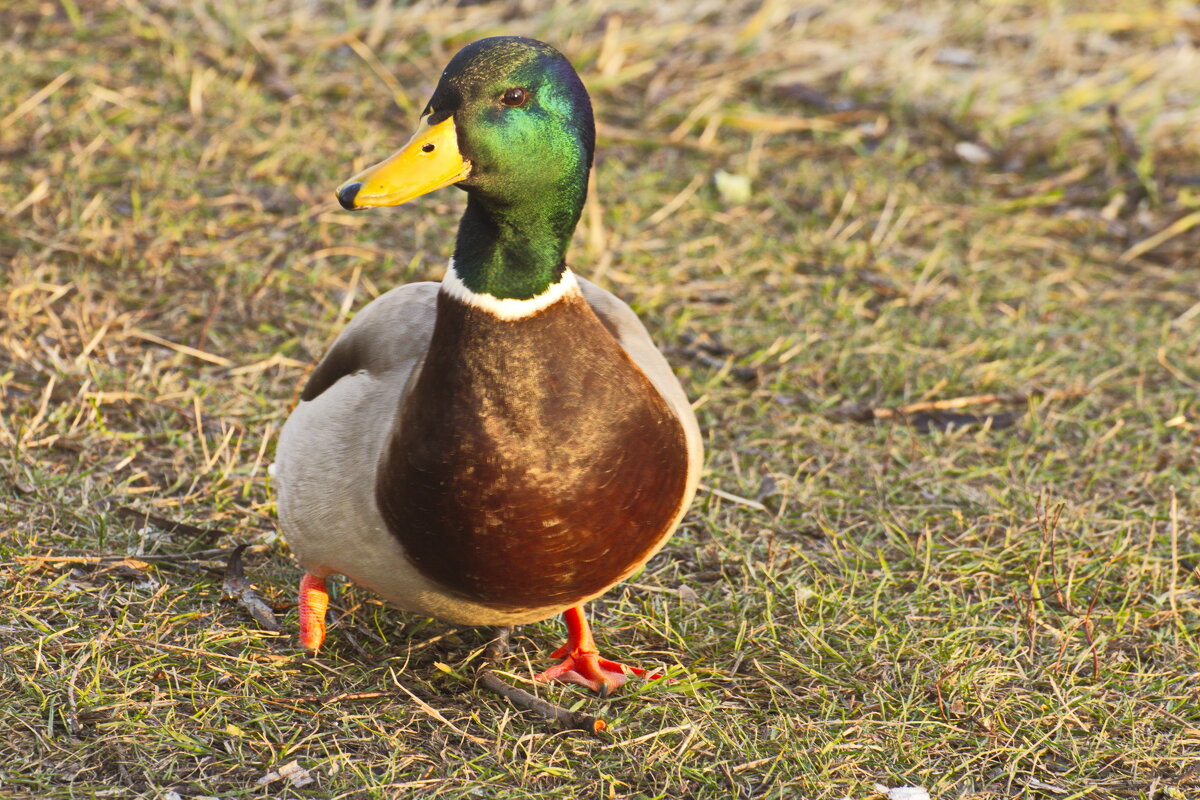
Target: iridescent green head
[
  {"x": 511, "y": 123},
  {"x": 524, "y": 119}
]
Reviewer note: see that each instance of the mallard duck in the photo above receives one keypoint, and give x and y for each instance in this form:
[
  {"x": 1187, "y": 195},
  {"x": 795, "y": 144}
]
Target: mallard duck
[{"x": 508, "y": 444}]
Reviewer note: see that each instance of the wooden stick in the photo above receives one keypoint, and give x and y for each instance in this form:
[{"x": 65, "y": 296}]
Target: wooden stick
[
  {"x": 237, "y": 586},
  {"x": 569, "y": 720},
  {"x": 951, "y": 403},
  {"x": 860, "y": 414},
  {"x": 325, "y": 699},
  {"x": 195, "y": 555},
  {"x": 167, "y": 525}
]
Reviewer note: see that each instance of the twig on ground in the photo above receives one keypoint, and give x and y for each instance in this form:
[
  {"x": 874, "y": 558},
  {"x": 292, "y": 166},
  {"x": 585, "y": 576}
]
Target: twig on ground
[
  {"x": 167, "y": 525},
  {"x": 744, "y": 374},
  {"x": 569, "y": 720},
  {"x": 325, "y": 699},
  {"x": 238, "y": 587},
  {"x": 170, "y": 558},
  {"x": 860, "y": 413},
  {"x": 733, "y": 498},
  {"x": 707, "y": 352},
  {"x": 211, "y": 358}
]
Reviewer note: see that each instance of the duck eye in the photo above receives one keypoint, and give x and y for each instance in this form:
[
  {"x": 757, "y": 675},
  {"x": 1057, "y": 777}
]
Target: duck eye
[{"x": 515, "y": 97}]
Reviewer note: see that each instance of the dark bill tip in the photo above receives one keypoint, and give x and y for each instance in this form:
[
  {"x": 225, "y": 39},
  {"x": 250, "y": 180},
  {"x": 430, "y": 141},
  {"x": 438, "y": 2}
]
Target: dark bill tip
[{"x": 346, "y": 195}]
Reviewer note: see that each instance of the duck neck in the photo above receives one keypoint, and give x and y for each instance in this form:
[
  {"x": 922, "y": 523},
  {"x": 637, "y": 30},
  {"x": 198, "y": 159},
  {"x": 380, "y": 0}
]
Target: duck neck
[{"x": 516, "y": 250}]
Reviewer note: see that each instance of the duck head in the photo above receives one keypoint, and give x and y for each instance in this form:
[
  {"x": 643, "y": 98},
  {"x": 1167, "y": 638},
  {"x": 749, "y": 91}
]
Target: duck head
[{"x": 510, "y": 123}]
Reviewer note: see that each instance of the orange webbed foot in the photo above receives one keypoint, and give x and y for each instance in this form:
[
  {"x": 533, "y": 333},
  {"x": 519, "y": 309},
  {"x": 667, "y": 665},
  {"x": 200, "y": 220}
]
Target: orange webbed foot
[{"x": 582, "y": 663}]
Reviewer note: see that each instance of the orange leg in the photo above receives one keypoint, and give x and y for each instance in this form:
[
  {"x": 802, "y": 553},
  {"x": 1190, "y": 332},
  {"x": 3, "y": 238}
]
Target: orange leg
[
  {"x": 581, "y": 660},
  {"x": 314, "y": 602}
]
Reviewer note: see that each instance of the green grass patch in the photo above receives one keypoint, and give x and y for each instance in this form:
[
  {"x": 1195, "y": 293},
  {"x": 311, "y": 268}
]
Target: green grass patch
[{"x": 990, "y": 598}]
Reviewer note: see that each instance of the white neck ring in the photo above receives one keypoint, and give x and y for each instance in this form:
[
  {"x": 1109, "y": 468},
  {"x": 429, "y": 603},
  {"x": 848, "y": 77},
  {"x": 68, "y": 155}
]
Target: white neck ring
[{"x": 509, "y": 308}]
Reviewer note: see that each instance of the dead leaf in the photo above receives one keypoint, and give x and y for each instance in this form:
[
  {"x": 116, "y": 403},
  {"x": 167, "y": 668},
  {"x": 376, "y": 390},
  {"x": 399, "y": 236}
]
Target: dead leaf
[{"x": 297, "y": 775}]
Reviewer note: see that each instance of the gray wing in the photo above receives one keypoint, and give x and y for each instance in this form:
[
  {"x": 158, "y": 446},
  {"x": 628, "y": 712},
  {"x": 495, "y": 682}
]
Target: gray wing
[{"x": 390, "y": 334}]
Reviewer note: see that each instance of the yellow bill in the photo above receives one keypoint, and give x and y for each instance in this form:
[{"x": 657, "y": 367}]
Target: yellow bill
[{"x": 429, "y": 161}]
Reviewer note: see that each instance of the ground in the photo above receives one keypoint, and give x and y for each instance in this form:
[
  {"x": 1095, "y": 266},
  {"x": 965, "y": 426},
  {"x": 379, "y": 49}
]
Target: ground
[{"x": 929, "y": 272}]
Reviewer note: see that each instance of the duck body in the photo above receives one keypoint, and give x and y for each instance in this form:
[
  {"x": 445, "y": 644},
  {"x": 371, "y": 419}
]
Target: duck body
[
  {"x": 507, "y": 444},
  {"x": 487, "y": 471}
]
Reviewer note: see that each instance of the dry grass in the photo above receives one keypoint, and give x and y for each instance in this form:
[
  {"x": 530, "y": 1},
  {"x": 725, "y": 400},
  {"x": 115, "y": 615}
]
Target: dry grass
[{"x": 994, "y": 600}]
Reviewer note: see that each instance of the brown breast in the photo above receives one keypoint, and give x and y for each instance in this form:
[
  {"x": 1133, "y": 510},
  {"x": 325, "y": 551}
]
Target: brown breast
[{"x": 535, "y": 464}]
